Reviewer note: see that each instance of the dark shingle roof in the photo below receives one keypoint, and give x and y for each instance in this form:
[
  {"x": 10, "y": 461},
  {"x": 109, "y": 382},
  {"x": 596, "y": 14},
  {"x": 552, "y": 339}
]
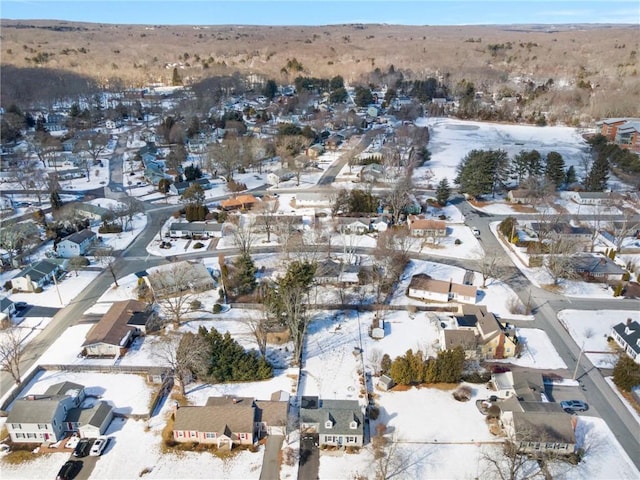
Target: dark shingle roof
[
  {"x": 79, "y": 237},
  {"x": 630, "y": 332}
]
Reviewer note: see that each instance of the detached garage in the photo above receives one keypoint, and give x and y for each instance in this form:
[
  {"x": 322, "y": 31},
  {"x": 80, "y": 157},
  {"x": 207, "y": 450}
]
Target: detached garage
[{"x": 94, "y": 421}]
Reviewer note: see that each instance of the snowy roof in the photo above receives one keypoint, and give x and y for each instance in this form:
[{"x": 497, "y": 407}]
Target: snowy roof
[
  {"x": 543, "y": 427},
  {"x": 114, "y": 325},
  {"x": 93, "y": 416},
  {"x": 39, "y": 270},
  {"x": 79, "y": 237}
]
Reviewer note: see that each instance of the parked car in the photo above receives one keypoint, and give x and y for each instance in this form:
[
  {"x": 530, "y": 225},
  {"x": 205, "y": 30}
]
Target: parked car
[
  {"x": 72, "y": 442},
  {"x": 21, "y": 305},
  {"x": 69, "y": 470},
  {"x": 572, "y": 406},
  {"x": 83, "y": 447},
  {"x": 476, "y": 232},
  {"x": 98, "y": 446}
]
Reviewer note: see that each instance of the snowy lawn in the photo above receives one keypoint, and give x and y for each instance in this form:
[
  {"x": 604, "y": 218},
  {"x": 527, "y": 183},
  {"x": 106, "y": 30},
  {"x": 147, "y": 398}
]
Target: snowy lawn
[
  {"x": 538, "y": 351},
  {"x": 591, "y": 330},
  {"x": 68, "y": 288}
]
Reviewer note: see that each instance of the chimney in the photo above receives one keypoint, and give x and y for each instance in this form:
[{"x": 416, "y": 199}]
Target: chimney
[{"x": 629, "y": 321}]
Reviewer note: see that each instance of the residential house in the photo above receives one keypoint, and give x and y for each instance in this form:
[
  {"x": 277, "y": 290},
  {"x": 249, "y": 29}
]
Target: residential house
[
  {"x": 524, "y": 385},
  {"x": 76, "y": 244},
  {"x": 521, "y": 195},
  {"x": 580, "y": 236},
  {"x": 180, "y": 187},
  {"x": 598, "y": 267},
  {"x": 223, "y": 421},
  {"x": 37, "y": 275},
  {"x": 271, "y": 416},
  {"x": 173, "y": 279},
  {"x": 90, "y": 422},
  {"x": 350, "y": 225},
  {"x": 422, "y": 227},
  {"x": 627, "y": 335},
  {"x": 372, "y": 172},
  {"x": 592, "y": 198},
  {"x": 609, "y": 126},
  {"x": 239, "y": 202},
  {"x": 7, "y": 310},
  {"x": 315, "y": 150},
  {"x": 281, "y": 175},
  {"x": 70, "y": 174},
  {"x": 90, "y": 211},
  {"x": 41, "y": 418},
  {"x": 628, "y": 136},
  {"x": 196, "y": 230},
  {"x": 492, "y": 339},
  {"x": 424, "y": 287},
  {"x": 332, "y": 271},
  {"x": 306, "y": 199},
  {"x": 338, "y": 423},
  {"x": 333, "y": 142},
  {"x": 111, "y": 336},
  {"x": 539, "y": 433}
]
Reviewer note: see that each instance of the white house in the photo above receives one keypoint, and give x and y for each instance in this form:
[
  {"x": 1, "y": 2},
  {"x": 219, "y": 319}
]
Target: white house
[
  {"x": 424, "y": 287},
  {"x": 76, "y": 244},
  {"x": 36, "y": 276},
  {"x": 196, "y": 230},
  {"x": 627, "y": 335}
]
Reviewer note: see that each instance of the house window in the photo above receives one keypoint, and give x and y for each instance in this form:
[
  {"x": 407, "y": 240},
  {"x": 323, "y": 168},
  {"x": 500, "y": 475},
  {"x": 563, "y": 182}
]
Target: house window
[
  {"x": 16, "y": 426},
  {"x": 330, "y": 439},
  {"x": 180, "y": 433},
  {"x": 42, "y": 426},
  {"x": 352, "y": 439},
  {"x": 353, "y": 425},
  {"x": 193, "y": 434},
  {"x": 19, "y": 435},
  {"x": 31, "y": 435},
  {"x": 328, "y": 424},
  {"x": 210, "y": 435}
]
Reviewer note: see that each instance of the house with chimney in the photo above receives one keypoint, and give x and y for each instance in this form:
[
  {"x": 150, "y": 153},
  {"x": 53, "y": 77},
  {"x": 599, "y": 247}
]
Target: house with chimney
[
  {"x": 598, "y": 267},
  {"x": 627, "y": 335},
  {"x": 117, "y": 328},
  {"x": 335, "y": 423}
]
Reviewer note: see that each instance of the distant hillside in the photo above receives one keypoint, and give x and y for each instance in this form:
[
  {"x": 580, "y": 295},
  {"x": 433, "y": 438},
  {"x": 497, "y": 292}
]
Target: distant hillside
[{"x": 594, "y": 68}]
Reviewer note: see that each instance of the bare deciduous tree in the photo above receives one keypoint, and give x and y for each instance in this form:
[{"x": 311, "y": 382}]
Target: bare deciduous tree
[
  {"x": 186, "y": 354},
  {"x": 625, "y": 227},
  {"x": 392, "y": 461},
  {"x": 11, "y": 349},
  {"x": 172, "y": 290},
  {"x": 105, "y": 257},
  {"x": 559, "y": 262},
  {"x": 489, "y": 266},
  {"x": 243, "y": 231},
  {"x": 266, "y": 216},
  {"x": 258, "y": 328}
]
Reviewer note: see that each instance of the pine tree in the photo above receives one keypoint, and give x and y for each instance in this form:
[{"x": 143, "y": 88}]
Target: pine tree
[
  {"x": 482, "y": 172},
  {"x": 443, "y": 192},
  {"x": 570, "y": 176},
  {"x": 554, "y": 170},
  {"x": 246, "y": 274},
  {"x": 598, "y": 176},
  {"x": 626, "y": 373},
  {"x": 175, "y": 78}
]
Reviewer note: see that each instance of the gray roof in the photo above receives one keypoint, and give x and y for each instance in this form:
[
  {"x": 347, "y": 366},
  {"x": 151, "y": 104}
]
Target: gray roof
[
  {"x": 90, "y": 416},
  {"x": 79, "y": 237},
  {"x": 223, "y": 417},
  {"x": 594, "y": 195},
  {"x": 543, "y": 427},
  {"x": 340, "y": 412},
  {"x": 528, "y": 386},
  {"x": 39, "y": 270},
  {"x": 64, "y": 388},
  {"x": 40, "y": 410},
  {"x": 5, "y": 303},
  {"x": 596, "y": 264},
  {"x": 630, "y": 332}
]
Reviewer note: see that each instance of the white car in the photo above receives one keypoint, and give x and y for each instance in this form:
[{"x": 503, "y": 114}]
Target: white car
[
  {"x": 99, "y": 446},
  {"x": 476, "y": 232}
]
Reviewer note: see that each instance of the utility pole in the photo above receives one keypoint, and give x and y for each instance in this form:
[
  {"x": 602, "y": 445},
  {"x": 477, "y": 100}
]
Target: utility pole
[{"x": 575, "y": 371}]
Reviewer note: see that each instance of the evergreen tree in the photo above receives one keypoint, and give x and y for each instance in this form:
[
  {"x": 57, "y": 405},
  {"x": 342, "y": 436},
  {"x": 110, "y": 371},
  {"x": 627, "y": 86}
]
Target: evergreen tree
[
  {"x": 270, "y": 89},
  {"x": 245, "y": 274},
  {"x": 56, "y": 201},
  {"x": 363, "y": 96},
  {"x": 450, "y": 365},
  {"x": 554, "y": 169},
  {"x": 192, "y": 172},
  {"x": 598, "y": 176},
  {"x": 400, "y": 371},
  {"x": 175, "y": 78},
  {"x": 163, "y": 185},
  {"x": 443, "y": 191},
  {"x": 482, "y": 172},
  {"x": 570, "y": 176},
  {"x": 385, "y": 364}
]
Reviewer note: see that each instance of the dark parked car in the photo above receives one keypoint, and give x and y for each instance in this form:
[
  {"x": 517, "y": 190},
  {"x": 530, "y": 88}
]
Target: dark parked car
[
  {"x": 21, "y": 305},
  {"x": 69, "y": 470},
  {"x": 83, "y": 447}
]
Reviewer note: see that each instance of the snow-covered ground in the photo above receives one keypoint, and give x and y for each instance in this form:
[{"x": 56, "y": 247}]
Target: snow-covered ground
[
  {"x": 590, "y": 331},
  {"x": 451, "y": 140}
]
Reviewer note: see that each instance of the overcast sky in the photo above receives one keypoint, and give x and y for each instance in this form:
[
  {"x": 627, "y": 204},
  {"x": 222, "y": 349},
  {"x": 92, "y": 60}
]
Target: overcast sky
[{"x": 309, "y": 12}]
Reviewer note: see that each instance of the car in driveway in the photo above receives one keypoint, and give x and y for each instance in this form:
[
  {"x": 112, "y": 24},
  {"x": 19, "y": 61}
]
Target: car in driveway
[
  {"x": 69, "y": 470},
  {"x": 98, "y": 446},
  {"x": 72, "y": 442},
  {"x": 83, "y": 447},
  {"x": 21, "y": 305},
  {"x": 573, "y": 406}
]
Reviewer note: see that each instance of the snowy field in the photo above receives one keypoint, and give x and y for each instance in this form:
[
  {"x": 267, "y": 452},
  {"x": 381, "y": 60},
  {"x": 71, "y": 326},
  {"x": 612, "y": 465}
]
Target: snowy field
[
  {"x": 591, "y": 330},
  {"x": 451, "y": 140}
]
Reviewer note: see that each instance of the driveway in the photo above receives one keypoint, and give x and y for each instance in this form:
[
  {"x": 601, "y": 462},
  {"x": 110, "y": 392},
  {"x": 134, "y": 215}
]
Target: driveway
[
  {"x": 309, "y": 458},
  {"x": 271, "y": 462},
  {"x": 38, "y": 311}
]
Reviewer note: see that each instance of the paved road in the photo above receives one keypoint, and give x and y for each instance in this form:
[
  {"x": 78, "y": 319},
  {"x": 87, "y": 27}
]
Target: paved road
[{"x": 271, "y": 461}]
